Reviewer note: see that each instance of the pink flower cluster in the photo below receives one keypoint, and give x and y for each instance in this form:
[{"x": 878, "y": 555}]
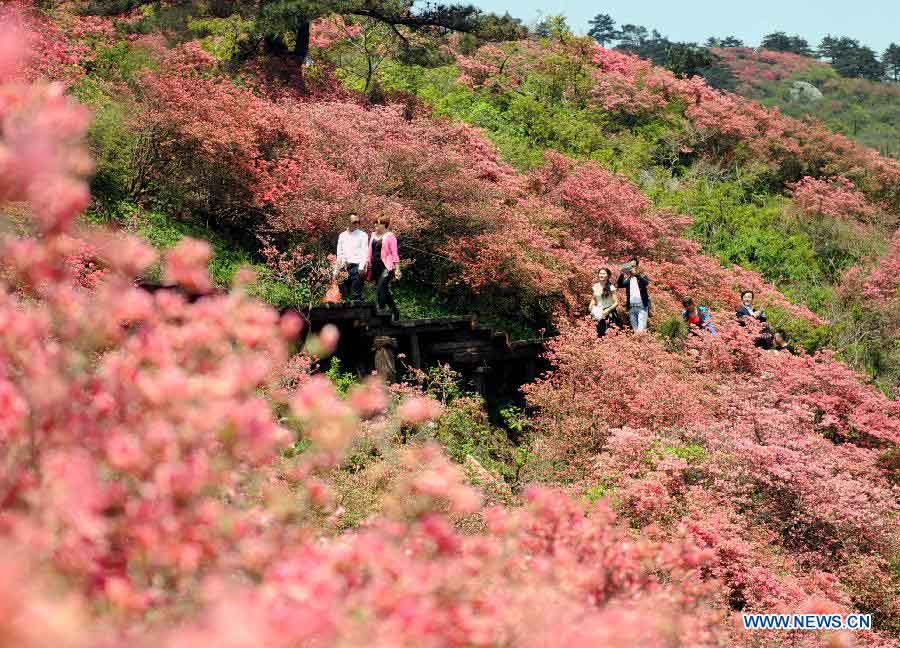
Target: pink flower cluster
[
  {"x": 141, "y": 435},
  {"x": 835, "y": 197},
  {"x": 724, "y": 126},
  {"x": 752, "y": 66},
  {"x": 770, "y": 460}
]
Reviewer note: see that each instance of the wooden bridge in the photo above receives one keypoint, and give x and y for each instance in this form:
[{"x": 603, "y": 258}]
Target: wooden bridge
[{"x": 488, "y": 362}]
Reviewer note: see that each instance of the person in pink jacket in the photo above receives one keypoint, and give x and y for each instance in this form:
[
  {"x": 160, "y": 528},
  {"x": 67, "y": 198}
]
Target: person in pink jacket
[{"x": 384, "y": 264}]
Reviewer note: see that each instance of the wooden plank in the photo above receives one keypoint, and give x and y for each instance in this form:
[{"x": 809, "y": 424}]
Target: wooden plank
[
  {"x": 415, "y": 354},
  {"x": 462, "y": 345},
  {"x": 431, "y": 327}
]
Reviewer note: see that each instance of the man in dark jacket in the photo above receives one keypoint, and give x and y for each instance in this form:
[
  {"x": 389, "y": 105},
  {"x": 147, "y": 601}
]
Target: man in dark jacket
[
  {"x": 747, "y": 310},
  {"x": 637, "y": 297}
]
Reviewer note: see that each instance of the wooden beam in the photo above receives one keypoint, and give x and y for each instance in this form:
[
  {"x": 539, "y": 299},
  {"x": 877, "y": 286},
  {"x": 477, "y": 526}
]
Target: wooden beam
[{"x": 415, "y": 354}]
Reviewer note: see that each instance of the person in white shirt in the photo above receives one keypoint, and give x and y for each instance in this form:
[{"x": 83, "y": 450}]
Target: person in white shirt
[
  {"x": 352, "y": 255},
  {"x": 637, "y": 297}
]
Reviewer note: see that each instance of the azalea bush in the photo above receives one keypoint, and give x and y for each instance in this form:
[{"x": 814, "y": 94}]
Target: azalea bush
[
  {"x": 142, "y": 468},
  {"x": 754, "y": 67},
  {"x": 786, "y": 451},
  {"x": 174, "y": 473}
]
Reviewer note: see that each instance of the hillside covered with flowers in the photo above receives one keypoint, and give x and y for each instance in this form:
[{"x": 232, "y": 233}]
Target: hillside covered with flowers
[{"x": 178, "y": 472}]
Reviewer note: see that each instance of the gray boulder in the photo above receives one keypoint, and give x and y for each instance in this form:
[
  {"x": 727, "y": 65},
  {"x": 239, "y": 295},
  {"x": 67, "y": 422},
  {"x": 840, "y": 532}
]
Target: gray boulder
[{"x": 801, "y": 91}]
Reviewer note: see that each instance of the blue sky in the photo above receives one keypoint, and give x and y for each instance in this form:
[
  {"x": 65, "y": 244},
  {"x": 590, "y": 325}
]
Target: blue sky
[{"x": 875, "y": 23}]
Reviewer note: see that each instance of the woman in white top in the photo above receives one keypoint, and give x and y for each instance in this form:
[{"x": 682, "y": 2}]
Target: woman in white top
[{"x": 604, "y": 302}]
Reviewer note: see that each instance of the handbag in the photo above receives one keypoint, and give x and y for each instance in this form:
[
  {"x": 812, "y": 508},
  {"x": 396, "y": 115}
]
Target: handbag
[{"x": 333, "y": 294}]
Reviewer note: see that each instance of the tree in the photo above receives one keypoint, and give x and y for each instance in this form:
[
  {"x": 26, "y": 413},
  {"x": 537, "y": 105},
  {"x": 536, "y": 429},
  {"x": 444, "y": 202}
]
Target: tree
[
  {"x": 687, "y": 59},
  {"x": 723, "y": 43},
  {"x": 891, "y": 61},
  {"x": 496, "y": 28},
  {"x": 865, "y": 65},
  {"x": 850, "y": 59},
  {"x": 632, "y": 36},
  {"x": 283, "y": 27},
  {"x": 364, "y": 48},
  {"x": 284, "y": 20},
  {"x": 554, "y": 26},
  {"x": 684, "y": 59},
  {"x": 603, "y": 29},
  {"x": 828, "y": 48},
  {"x": 781, "y": 42}
]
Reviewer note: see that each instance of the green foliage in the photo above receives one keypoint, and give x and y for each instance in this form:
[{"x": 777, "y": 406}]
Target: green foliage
[
  {"x": 801, "y": 333},
  {"x": 109, "y": 7},
  {"x": 416, "y": 301},
  {"x": 522, "y": 126},
  {"x": 441, "y": 382},
  {"x": 742, "y": 224},
  {"x": 164, "y": 231},
  {"x": 890, "y": 463},
  {"x": 464, "y": 430},
  {"x": 673, "y": 332},
  {"x": 111, "y": 140},
  {"x": 121, "y": 62},
  {"x": 169, "y": 18},
  {"x": 554, "y": 27},
  {"x": 867, "y": 111},
  {"x": 516, "y": 421},
  {"x": 781, "y": 42},
  {"x": 343, "y": 380},
  {"x": 603, "y": 29},
  {"x": 691, "y": 453},
  {"x": 604, "y": 487},
  {"x": 520, "y": 430},
  {"x": 297, "y": 448},
  {"x": 858, "y": 334},
  {"x": 221, "y": 37}
]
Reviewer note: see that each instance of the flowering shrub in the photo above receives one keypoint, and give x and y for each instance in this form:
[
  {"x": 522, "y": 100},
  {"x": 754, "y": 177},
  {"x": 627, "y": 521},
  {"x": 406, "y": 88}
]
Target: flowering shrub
[
  {"x": 835, "y": 197},
  {"x": 51, "y": 54},
  {"x": 723, "y": 125},
  {"x": 884, "y": 283},
  {"x": 141, "y": 469},
  {"x": 752, "y": 66},
  {"x": 782, "y": 450}
]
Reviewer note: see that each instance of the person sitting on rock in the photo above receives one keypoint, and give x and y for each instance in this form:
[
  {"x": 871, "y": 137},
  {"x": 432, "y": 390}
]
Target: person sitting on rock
[{"x": 697, "y": 317}]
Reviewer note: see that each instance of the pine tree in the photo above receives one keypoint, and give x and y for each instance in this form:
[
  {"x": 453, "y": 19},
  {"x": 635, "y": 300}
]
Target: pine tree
[
  {"x": 723, "y": 43},
  {"x": 850, "y": 59},
  {"x": 603, "y": 29},
  {"x": 891, "y": 62},
  {"x": 781, "y": 42},
  {"x": 633, "y": 36}
]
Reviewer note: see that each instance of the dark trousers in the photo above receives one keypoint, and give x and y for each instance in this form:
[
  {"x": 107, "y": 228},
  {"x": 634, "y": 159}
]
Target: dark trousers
[
  {"x": 352, "y": 286},
  {"x": 383, "y": 297},
  {"x": 602, "y": 327}
]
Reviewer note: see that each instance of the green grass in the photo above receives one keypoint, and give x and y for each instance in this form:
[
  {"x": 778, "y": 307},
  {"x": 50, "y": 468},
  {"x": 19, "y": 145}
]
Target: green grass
[
  {"x": 866, "y": 111},
  {"x": 163, "y": 231}
]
